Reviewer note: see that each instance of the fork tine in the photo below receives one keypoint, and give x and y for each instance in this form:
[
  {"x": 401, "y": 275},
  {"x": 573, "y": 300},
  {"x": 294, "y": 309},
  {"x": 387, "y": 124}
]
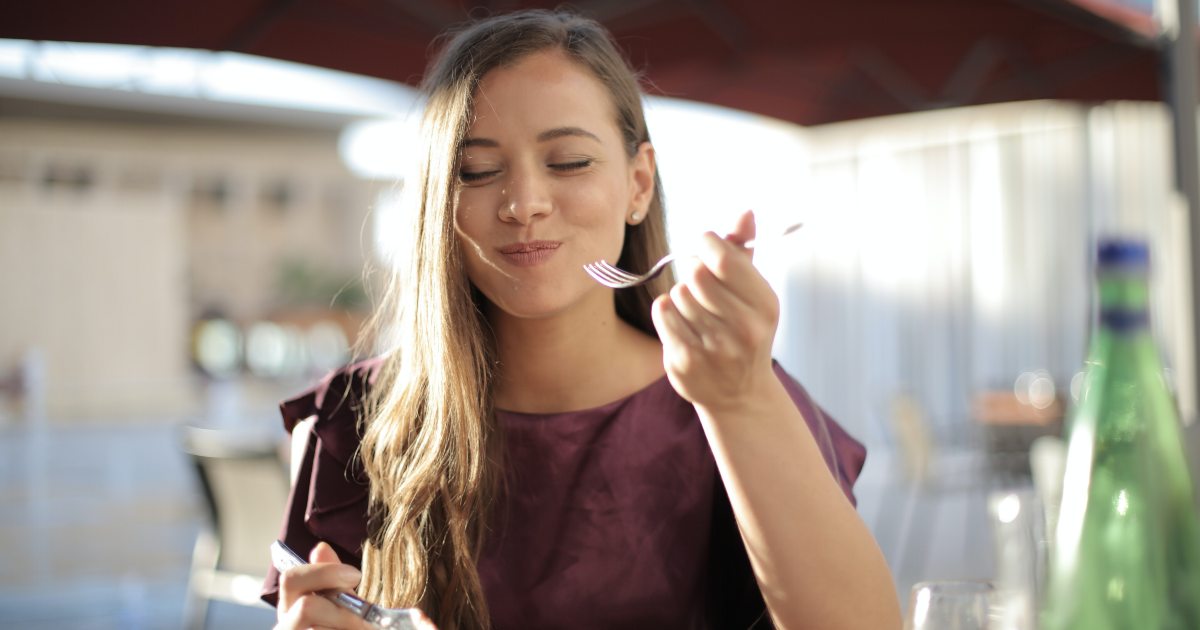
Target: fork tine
[
  {"x": 615, "y": 277},
  {"x": 596, "y": 273},
  {"x": 604, "y": 276},
  {"x": 618, "y": 273},
  {"x": 604, "y": 270},
  {"x": 612, "y": 284}
]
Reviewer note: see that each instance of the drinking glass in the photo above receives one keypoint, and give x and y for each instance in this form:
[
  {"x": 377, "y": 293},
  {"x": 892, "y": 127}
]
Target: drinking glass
[{"x": 950, "y": 605}]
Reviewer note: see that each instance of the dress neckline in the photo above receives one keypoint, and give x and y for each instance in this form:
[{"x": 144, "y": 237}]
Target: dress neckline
[{"x": 605, "y": 408}]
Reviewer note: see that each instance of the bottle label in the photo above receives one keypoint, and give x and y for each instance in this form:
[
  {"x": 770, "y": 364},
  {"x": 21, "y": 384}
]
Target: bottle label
[{"x": 1124, "y": 320}]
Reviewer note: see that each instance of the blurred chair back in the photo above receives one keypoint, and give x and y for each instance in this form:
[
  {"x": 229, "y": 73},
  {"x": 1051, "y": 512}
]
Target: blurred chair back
[
  {"x": 911, "y": 508},
  {"x": 245, "y": 486},
  {"x": 913, "y": 437}
]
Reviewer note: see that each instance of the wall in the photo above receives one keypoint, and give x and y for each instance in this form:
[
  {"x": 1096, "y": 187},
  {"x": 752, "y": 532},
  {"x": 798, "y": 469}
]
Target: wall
[{"x": 115, "y": 237}]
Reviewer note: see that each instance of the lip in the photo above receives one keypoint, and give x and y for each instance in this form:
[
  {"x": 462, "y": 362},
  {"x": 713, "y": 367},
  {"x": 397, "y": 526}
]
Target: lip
[{"x": 529, "y": 253}]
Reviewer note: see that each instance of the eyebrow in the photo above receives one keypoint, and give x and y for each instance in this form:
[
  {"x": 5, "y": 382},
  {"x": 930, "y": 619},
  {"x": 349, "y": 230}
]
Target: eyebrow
[
  {"x": 545, "y": 136},
  {"x": 561, "y": 132}
]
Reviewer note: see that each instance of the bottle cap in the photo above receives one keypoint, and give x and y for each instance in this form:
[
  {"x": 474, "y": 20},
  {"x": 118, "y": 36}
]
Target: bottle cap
[{"x": 1123, "y": 253}]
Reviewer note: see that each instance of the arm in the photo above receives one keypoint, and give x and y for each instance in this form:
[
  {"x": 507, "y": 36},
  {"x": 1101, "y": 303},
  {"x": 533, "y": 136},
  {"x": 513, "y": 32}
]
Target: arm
[{"x": 815, "y": 561}]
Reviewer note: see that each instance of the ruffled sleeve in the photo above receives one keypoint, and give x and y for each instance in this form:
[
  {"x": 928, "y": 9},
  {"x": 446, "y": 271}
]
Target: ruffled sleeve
[
  {"x": 328, "y": 500},
  {"x": 844, "y": 455}
]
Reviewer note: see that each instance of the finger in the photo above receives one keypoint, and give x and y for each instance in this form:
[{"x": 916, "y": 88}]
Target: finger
[
  {"x": 670, "y": 324},
  {"x": 423, "y": 622},
  {"x": 729, "y": 334},
  {"x": 313, "y": 578},
  {"x": 701, "y": 322},
  {"x": 710, "y": 293},
  {"x": 746, "y": 317},
  {"x": 322, "y": 553},
  {"x": 743, "y": 230},
  {"x": 733, "y": 267},
  {"x": 315, "y": 611},
  {"x": 715, "y": 297}
]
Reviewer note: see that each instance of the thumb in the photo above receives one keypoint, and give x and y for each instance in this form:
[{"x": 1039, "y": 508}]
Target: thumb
[
  {"x": 743, "y": 229},
  {"x": 323, "y": 553}
]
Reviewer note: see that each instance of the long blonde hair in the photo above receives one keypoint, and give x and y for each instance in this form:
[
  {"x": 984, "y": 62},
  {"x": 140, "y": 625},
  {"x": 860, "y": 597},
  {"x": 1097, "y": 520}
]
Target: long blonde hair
[{"x": 430, "y": 446}]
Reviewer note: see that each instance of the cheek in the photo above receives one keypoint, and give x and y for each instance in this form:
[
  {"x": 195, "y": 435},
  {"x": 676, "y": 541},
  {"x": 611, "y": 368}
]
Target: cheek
[
  {"x": 618, "y": 247},
  {"x": 603, "y": 203},
  {"x": 474, "y": 266},
  {"x": 464, "y": 210},
  {"x": 470, "y": 222},
  {"x": 467, "y": 235},
  {"x": 602, "y": 211},
  {"x": 471, "y": 206}
]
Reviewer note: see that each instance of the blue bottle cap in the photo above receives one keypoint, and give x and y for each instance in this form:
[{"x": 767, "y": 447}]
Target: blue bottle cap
[{"x": 1123, "y": 253}]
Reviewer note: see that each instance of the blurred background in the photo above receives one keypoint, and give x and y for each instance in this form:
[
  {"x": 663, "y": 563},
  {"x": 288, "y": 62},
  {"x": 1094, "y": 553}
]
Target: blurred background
[{"x": 189, "y": 193}]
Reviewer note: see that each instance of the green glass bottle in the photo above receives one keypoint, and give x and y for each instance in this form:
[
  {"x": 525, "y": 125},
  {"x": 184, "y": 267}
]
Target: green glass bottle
[{"x": 1126, "y": 552}]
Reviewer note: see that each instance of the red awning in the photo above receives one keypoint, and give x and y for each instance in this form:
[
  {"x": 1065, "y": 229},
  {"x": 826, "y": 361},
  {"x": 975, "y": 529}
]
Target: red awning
[{"x": 808, "y": 62}]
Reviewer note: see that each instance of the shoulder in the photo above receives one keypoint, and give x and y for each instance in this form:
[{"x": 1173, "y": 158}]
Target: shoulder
[{"x": 336, "y": 404}]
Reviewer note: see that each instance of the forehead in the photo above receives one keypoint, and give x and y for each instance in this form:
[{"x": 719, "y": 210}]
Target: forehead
[{"x": 541, "y": 90}]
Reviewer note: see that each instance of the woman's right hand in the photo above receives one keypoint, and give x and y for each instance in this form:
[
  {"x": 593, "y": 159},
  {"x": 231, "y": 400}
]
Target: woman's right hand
[{"x": 301, "y": 605}]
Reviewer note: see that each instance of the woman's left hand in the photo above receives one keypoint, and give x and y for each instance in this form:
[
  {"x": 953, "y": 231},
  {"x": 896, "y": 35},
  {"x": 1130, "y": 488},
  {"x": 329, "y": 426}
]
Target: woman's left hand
[{"x": 718, "y": 322}]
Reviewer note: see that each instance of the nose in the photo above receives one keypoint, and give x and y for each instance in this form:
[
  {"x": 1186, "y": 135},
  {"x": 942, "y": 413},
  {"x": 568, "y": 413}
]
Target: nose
[{"x": 526, "y": 197}]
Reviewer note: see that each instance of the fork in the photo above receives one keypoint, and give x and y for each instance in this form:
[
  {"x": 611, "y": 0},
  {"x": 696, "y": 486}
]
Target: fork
[
  {"x": 377, "y": 617},
  {"x": 617, "y": 278}
]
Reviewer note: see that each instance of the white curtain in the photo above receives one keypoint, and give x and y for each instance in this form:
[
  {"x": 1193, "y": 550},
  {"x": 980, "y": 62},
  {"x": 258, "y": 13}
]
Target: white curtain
[{"x": 945, "y": 253}]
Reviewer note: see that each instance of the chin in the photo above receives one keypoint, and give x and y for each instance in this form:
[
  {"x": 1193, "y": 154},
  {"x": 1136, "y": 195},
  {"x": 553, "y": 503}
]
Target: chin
[
  {"x": 538, "y": 304},
  {"x": 542, "y": 300},
  {"x": 530, "y": 309}
]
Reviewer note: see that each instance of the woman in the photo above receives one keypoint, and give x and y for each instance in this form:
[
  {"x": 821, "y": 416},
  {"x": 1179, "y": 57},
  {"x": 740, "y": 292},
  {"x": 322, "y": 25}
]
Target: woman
[{"x": 542, "y": 451}]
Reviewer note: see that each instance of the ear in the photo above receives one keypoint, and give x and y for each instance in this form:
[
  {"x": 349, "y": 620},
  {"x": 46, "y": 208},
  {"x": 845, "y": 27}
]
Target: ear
[{"x": 641, "y": 183}]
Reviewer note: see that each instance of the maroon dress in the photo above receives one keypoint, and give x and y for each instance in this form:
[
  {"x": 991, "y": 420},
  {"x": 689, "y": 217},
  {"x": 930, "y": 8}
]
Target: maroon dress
[{"x": 614, "y": 517}]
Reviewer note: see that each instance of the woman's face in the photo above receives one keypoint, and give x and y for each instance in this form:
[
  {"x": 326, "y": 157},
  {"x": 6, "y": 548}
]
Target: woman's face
[{"x": 546, "y": 185}]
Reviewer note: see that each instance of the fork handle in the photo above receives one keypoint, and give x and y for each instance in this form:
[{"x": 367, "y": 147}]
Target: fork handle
[{"x": 770, "y": 237}]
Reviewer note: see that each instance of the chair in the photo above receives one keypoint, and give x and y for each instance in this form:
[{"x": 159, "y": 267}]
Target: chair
[
  {"x": 245, "y": 487},
  {"x": 1011, "y": 424},
  {"x": 931, "y": 471}
]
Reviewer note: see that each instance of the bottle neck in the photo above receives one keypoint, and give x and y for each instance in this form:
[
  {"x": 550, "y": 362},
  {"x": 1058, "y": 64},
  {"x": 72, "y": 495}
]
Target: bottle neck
[{"x": 1124, "y": 300}]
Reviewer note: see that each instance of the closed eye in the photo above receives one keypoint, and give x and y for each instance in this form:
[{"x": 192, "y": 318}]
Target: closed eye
[
  {"x": 566, "y": 167},
  {"x": 469, "y": 177}
]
